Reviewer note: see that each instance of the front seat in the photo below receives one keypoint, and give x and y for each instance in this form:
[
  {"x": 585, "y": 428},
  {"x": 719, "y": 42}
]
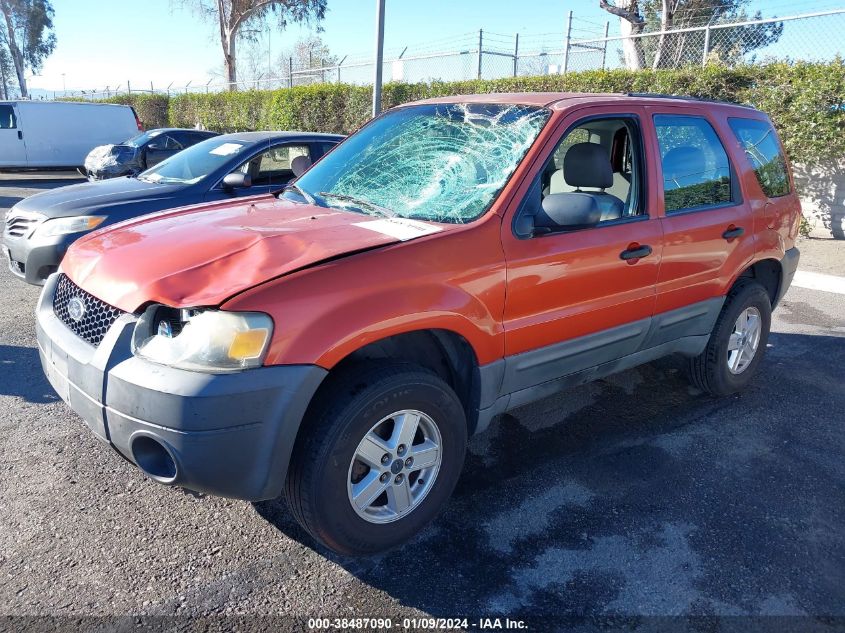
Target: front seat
[
  {"x": 587, "y": 165},
  {"x": 300, "y": 165}
]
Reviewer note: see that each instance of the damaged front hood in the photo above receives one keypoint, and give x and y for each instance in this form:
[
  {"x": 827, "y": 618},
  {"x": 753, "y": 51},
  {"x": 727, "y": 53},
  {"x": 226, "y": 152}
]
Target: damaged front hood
[{"x": 202, "y": 255}]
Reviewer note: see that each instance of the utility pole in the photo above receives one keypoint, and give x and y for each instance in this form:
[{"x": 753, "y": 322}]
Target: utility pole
[
  {"x": 379, "y": 56},
  {"x": 480, "y": 53},
  {"x": 604, "y": 48},
  {"x": 567, "y": 43}
]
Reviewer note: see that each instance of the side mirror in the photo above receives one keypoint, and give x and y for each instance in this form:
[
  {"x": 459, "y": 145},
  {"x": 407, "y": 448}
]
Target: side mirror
[
  {"x": 237, "y": 180},
  {"x": 568, "y": 211}
]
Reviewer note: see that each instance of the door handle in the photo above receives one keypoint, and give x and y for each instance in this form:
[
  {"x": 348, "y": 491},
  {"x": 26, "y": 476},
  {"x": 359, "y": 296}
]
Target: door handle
[
  {"x": 634, "y": 252},
  {"x": 732, "y": 232},
  {"x": 20, "y": 135}
]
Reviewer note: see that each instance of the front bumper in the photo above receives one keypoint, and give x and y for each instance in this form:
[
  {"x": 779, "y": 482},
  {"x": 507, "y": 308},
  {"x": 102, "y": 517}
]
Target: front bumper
[
  {"x": 789, "y": 264},
  {"x": 33, "y": 259},
  {"x": 227, "y": 434},
  {"x": 115, "y": 171}
]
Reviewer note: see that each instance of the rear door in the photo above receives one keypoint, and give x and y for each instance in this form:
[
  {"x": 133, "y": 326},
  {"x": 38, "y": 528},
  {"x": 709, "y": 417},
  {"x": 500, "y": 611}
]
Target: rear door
[
  {"x": 578, "y": 298},
  {"x": 707, "y": 223},
  {"x": 12, "y": 141}
]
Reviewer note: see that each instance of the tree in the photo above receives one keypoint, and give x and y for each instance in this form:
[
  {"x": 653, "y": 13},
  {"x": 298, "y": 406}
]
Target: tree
[
  {"x": 311, "y": 52},
  {"x": 6, "y": 70},
  {"x": 308, "y": 52},
  {"x": 678, "y": 49},
  {"x": 255, "y": 68},
  {"x": 233, "y": 16},
  {"x": 631, "y": 23},
  {"x": 28, "y": 35}
]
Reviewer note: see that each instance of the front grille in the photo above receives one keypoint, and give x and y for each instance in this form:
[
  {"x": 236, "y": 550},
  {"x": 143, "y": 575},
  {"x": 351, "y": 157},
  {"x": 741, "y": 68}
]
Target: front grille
[
  {"x": 20, "y": 225},
  {"x": 95, "y": 320}
]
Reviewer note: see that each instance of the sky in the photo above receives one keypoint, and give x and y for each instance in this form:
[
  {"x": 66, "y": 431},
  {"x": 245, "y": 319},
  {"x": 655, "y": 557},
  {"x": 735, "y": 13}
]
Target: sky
[{"x": 109, "y": 42}]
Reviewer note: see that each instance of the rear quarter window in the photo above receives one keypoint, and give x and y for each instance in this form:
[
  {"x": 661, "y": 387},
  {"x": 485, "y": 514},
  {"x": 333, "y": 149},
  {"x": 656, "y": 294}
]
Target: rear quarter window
[{"x": 760, "y": 142}]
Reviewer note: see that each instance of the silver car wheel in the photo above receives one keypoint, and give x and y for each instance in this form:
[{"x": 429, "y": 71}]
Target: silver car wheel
[
  {"x": 394, "y": 466},
  {"x": 744, "y": 340}
]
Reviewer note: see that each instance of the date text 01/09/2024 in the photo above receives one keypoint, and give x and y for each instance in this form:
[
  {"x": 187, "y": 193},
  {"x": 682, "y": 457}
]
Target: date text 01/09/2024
[{"x": 413, "y": 624}]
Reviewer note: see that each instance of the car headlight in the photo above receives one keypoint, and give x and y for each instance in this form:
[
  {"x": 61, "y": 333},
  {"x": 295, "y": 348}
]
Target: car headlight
[
  {"x": 64, "y": 226},
  {"x": 203, "y": 340}
]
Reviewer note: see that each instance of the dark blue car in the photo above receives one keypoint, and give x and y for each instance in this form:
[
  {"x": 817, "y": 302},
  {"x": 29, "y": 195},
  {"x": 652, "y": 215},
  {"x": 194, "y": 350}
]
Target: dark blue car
[{"x": 39, "y": 229}]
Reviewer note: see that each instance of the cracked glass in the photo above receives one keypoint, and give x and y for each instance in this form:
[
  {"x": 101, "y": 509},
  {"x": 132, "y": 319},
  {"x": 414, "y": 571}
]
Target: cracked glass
[{"x": 439, "y": 162}]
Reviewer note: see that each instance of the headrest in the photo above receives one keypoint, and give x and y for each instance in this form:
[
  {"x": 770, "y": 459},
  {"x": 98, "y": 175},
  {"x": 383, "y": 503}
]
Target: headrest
[
  {"x": 300, "y": 165},
  {"x": 587, "y": 165},
  {"x": 685, "y": 163}
]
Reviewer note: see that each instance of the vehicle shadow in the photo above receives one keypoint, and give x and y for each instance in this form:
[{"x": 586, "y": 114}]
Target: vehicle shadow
[
  {"x": 21, "y": 375},
  {"x": 636, "y": 495}
]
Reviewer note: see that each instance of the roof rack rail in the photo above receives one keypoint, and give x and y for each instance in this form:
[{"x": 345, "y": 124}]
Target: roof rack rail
[{"x": 659, "y": 95}]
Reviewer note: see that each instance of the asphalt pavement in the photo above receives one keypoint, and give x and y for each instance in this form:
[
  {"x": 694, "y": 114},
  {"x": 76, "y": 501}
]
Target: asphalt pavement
[{"x": 627, "y": 501}]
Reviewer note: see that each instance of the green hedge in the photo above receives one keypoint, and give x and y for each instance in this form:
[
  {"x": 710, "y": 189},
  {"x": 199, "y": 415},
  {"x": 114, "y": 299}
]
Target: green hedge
[
  {"x": 151, "y": 109},
  {"x": 806, "y": 101}
]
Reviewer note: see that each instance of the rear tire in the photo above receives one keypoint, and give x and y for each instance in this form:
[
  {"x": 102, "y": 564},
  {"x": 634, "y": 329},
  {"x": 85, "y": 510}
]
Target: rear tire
[
  {"x": 358, "y": 502},
  {"x": 736, "y": 346}
]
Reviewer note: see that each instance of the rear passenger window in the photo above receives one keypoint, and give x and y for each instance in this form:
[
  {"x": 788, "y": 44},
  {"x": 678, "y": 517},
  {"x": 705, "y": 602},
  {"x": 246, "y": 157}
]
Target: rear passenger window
[
  {"x": 760, "y": 142},
  {"x": 696, "y": 171},
  {"x": 7, "y": 118}
]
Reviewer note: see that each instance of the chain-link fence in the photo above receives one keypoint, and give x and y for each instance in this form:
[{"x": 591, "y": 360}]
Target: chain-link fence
[
  {"x": 582, "y": 46},
  {"x": 808, "y": 37}
]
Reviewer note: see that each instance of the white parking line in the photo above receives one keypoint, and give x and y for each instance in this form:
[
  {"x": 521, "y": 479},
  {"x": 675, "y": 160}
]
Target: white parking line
[{"x": 819, "y": 281}]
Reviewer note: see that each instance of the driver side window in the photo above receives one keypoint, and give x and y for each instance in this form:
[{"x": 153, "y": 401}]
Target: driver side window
[
  {"x": 164, "y": 142},
  {"x": 273, "y": 167},
  {"x": 593, "y": 177},
  {"x": 598, "y": 159}
]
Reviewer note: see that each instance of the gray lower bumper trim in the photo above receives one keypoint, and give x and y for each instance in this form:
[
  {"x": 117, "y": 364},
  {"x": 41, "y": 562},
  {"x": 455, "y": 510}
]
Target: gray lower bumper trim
[
  {"x": 789, "y": 264},
  {"x": 229, "y": 434}
]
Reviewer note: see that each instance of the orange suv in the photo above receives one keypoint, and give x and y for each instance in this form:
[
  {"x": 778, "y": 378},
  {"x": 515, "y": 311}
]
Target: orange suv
[{"x": 454, "y": 259}]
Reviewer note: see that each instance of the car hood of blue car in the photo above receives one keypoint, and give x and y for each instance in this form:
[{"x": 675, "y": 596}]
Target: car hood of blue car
[{"x": 105, "y": 197}]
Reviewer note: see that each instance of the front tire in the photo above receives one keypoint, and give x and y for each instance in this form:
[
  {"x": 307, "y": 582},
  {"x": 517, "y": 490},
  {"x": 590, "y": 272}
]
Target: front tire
[
  {"x": 377, "y": 458},
  {"x": 737, "y": 343}
]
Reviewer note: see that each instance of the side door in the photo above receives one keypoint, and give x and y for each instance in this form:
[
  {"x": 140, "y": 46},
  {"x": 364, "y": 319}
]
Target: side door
[
  {"x": 707, "y": 222},
  {"x": 580, "y": 297},
  {"x": 269, "y": 169},
  {"x": 12, "y": 141}
]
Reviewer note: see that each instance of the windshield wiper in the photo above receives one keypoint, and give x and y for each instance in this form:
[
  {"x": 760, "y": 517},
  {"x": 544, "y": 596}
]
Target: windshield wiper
[
  {"x": 379, "y": 210},
  {"x": 308, "y": 197}
]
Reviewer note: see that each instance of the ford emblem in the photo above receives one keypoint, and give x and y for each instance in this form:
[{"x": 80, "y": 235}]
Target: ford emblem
[{"x": 76, "y": 309}]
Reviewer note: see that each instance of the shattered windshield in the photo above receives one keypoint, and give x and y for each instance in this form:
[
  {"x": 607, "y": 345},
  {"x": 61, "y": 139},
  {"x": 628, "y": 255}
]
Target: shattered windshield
[{"x": 439, "y": 162}]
